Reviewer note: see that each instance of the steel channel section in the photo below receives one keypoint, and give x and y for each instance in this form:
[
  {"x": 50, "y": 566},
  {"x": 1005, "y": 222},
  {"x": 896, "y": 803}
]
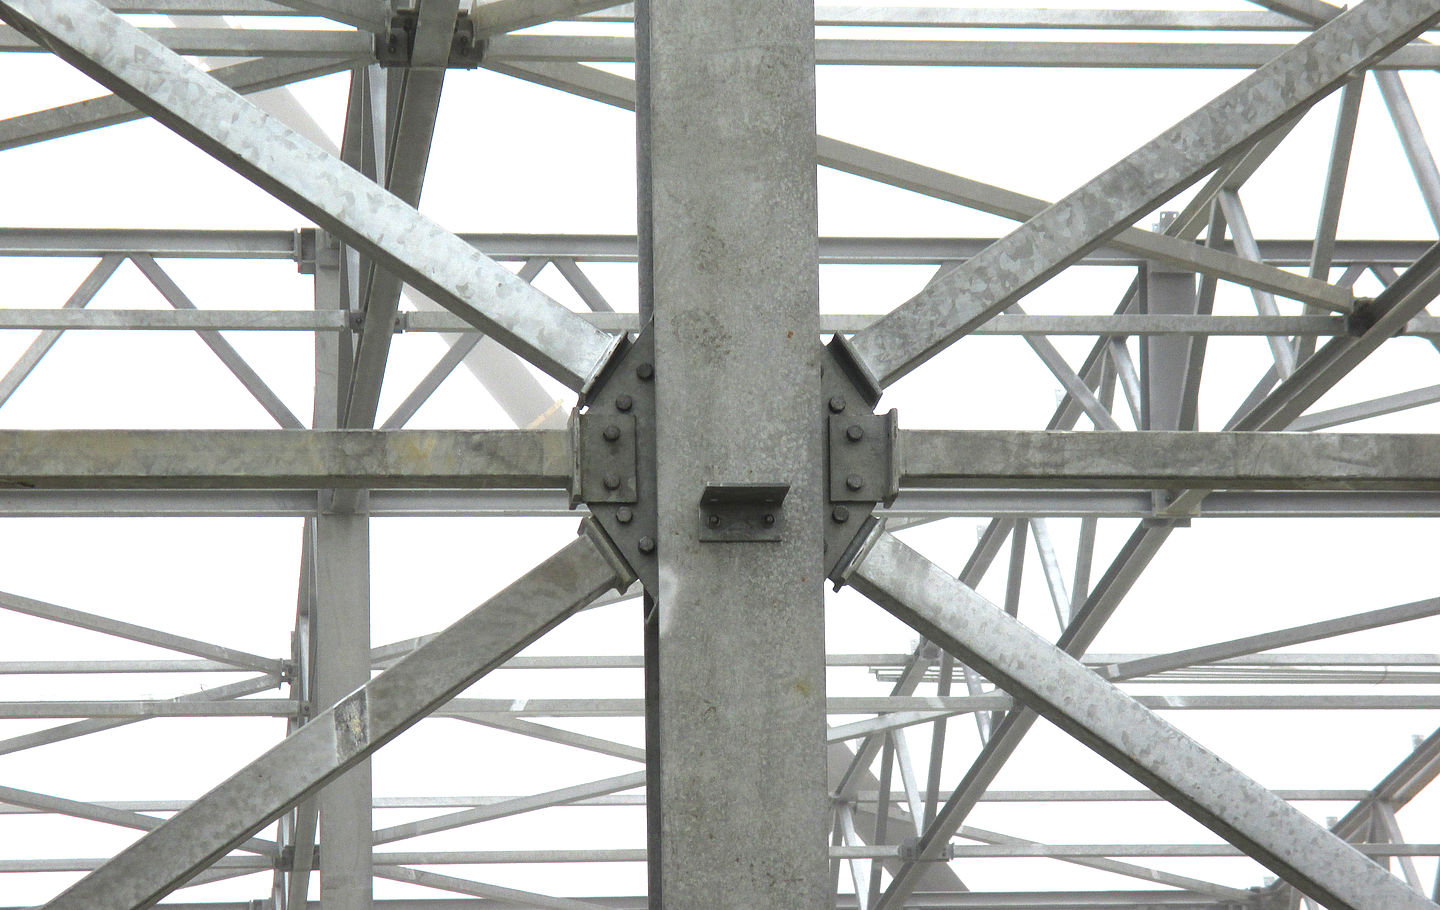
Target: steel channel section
[
  {"x": 315, "y": 183},
  {"x": 1061, "y": 234},
  {"x": 1075, "y": 699},
  {"x": 728, "y": 194},
  {"x": 346, "y": 734}
]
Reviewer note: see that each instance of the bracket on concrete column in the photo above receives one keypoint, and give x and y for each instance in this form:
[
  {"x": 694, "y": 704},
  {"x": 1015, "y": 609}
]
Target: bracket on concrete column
[{"x": 742, "y": 512}]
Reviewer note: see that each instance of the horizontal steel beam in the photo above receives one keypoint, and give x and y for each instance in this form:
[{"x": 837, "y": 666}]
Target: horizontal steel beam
[
  {"x": 881, "y": 52},
  {"x": 299, "y": 246},
  {"x": 284, "y": 459},
  {"x": 542, "y": 459},
  {"x": 1173, "y": 460},
  {"x": 931, "y": 706},
  {"x": 911, "y": 504},
  {"x": 1119, "y": 325}
]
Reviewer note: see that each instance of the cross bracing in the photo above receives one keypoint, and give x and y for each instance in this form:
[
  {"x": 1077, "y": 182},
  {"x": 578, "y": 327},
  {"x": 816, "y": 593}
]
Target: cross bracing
[{"x": 1193, "y": 329}]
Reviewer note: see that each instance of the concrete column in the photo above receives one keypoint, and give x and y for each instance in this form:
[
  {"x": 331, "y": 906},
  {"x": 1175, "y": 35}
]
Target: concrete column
[{"x": 728, "y": 222}]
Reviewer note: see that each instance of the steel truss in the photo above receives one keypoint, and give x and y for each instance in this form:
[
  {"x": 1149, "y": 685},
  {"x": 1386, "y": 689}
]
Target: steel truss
[{"x": 725, "y": 462}]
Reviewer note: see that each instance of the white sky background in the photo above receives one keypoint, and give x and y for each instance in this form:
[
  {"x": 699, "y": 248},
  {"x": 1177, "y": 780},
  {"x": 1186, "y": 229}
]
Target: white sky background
[{"x": 514, "y": 157}]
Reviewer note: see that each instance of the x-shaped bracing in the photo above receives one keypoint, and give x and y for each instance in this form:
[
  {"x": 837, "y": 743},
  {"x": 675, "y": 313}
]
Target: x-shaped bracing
[{"x": 201, "y": 109}]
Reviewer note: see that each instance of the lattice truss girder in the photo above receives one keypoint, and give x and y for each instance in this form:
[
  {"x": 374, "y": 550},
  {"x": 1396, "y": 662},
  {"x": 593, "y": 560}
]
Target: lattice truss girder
[{"x": 306, "y": 805}]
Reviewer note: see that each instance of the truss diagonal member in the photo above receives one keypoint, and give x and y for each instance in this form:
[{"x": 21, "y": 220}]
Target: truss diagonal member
[
  {"x": 371, "y": 15},
  {"x": 41, "y": 346},
  {"x": 1381, "y": 319},
  {"x": 154, "y": 637},
  {"x": 315, "y": 183},
  {"x": 1121, "y": 730},
  {"x": 44, "y": 802},
  {"x": 99, "y": 724},
  {"x": 506, "y": 808},
  {"x": 495, "y": 17},
  {"x": 355, "y": 727},
  {"x": 1060, "y": 235},
  {"x": 110, "y": 110}
]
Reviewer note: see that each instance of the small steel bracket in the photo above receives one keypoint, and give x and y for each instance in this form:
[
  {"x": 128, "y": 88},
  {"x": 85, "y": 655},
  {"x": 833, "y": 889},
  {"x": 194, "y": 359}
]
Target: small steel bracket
[
  {"x": 863, "y": 466},
  {"x": 742, "y": 512},
  {"x": 607, "y": 458},
  {"x": 396, "y": 47},
  {"x": 1163, "y": 511}
]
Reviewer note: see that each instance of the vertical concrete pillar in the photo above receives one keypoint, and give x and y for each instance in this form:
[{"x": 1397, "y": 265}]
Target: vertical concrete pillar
[{"x": 729, "y": 271}]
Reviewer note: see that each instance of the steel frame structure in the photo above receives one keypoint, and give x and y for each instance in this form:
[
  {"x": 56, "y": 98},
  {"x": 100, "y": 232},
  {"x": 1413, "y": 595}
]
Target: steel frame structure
[{"x": 727, "y": 462}]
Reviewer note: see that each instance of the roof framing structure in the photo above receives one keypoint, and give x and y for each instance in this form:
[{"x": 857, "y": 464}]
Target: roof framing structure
[{"x": 720, "y": 444}]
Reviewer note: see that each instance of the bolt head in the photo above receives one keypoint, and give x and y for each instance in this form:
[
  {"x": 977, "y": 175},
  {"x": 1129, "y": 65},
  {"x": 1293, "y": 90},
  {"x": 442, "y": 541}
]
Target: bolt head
[
  {"x": 839, "y": 515},
  {"x": 647, "y": 545},
  {"x": 645, "y": 371},
  {"x": 713, "y": 520},
  {"x": 854, "y": 483},
  {"x": 612, "y": 433},
  {"x": 855, "y": 433},
  {"x": 612, "y": 481},
  {"x": 837, "y": 404},
  {"x": 769, "y": 520},
  {"x": 624, "y": 515},
  {"x": 624, "y": 403}
]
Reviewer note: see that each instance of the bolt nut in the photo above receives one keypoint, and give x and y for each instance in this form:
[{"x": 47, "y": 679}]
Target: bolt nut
[
  {"x": 624, "y": 515},
  {"x": 855, "y": 433},
  {"x": 769, "y": 520},
  {"x": 645, "y": 371},
  {"x": 612, "y": 481},
  {"x": 839, "y": 515},
  {"x": 713, "y": 520},
  {"x": 624, "y": 403},
  {"x": 612, "y": 433},
  {"x": 837, "y": 404},
  {"x": 854, "y": 483},
  {"x": 647, "y": 545}
]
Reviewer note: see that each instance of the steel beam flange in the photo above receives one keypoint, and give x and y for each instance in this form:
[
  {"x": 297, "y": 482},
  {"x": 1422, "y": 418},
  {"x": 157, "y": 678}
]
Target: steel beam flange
[
  {"x": 861, "y": 470},
  {"x": 613, "y": 433}
]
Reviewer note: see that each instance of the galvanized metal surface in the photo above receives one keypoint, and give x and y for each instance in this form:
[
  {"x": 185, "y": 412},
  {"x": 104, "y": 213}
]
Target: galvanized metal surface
[{"x": 727, "y": 231}]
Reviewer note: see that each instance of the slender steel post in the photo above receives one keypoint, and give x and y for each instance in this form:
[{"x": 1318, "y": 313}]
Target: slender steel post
[{"x": 728, "y": 200}]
